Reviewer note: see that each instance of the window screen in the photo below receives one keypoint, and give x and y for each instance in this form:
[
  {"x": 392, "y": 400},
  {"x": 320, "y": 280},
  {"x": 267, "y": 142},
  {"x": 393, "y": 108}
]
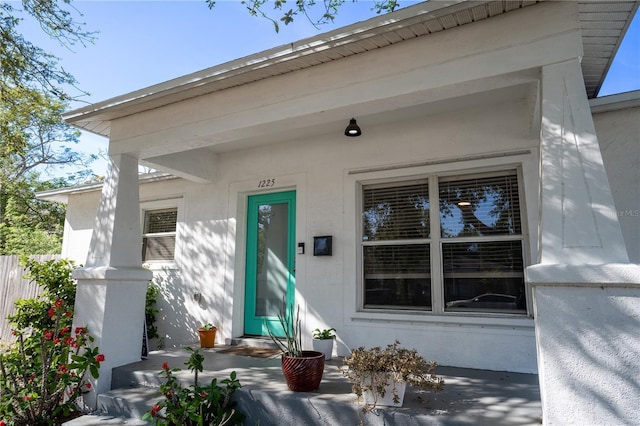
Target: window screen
[
  {"x": 159, "y": 236},
  {"x": 396, "y": 255},
  {"x": 478, "y": 249},
  {"x": 483, "y": 270}
]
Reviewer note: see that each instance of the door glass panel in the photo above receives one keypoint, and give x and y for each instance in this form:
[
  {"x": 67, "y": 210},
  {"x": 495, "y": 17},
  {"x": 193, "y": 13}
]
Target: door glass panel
[{"x": 271, "y": 271}]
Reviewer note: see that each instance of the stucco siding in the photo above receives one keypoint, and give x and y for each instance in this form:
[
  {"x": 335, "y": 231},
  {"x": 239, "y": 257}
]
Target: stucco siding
[
  {"x": 619, "y": 137},
  {"x": 78, "y": 225},
  {"x": 478, "y": 171},
  {"x": 205, "y": 283}
]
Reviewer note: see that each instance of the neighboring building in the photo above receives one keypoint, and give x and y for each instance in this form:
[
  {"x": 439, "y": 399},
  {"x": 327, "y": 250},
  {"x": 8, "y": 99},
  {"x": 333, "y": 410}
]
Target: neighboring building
[{"x": 473, "y": 218}]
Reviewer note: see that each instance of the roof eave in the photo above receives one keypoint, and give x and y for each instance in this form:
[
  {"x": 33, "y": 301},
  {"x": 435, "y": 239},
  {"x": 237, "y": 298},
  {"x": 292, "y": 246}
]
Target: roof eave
[
  {"x": 61, "y": 195},
  {"x": 340, "y": 36}
]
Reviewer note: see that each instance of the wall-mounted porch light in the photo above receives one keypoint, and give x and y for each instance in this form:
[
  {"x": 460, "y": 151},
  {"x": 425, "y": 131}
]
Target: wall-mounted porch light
[{"x": 352, "y": 129}]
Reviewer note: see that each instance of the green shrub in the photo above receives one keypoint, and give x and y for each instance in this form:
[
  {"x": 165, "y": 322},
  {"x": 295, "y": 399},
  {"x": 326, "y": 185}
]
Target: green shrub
[
  {"x": 195, "y": 405},
  {"x": 42, "y": 377},
  {"x": 150, "y": 310}
]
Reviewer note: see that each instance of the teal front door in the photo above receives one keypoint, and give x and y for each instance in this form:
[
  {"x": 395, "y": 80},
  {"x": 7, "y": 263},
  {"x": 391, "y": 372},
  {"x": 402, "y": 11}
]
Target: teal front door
[{"x": 270, "y": 270}]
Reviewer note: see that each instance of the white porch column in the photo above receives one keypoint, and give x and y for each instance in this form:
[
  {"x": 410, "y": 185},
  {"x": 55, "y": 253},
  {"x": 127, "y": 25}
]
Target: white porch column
[
  {"x": 586, "y": 295},
  {"x": 112, "y": 285}
]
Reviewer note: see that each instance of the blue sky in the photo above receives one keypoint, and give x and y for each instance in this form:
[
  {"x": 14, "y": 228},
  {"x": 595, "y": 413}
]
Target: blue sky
[{"x": 141, "y": 43}]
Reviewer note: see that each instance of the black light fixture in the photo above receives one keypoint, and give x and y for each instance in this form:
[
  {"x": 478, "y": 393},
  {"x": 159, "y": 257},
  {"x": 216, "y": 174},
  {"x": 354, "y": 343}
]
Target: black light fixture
[{"x": 352, "y": 129}]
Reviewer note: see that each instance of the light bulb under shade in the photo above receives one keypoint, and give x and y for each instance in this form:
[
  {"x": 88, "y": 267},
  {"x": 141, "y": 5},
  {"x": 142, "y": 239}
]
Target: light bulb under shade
[{"x": 352, "y": 129}]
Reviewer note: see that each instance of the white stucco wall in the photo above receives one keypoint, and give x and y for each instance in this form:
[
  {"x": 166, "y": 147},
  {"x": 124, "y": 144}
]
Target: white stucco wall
[
  {"x": 78, "y": 225},
  {"x": 460, "y": 101},
  {"x": 588, "y": 344},
  {"x": 325, "y": 171},
  {"x": 619, "y": 137}
]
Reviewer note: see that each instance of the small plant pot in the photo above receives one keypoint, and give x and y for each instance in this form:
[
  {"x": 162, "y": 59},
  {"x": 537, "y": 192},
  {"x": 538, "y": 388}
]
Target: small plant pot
[
  {"x": 303, "y": 374},
  {"x": 375, "y": 399},
  {"x": 207, "y": 337},
  {"x": 325, "y": 346}
]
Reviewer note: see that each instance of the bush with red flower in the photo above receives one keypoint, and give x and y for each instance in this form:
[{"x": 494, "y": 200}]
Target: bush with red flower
[
  {"x": 48, "y": 369},
  {"x": 195, "y": 404}
]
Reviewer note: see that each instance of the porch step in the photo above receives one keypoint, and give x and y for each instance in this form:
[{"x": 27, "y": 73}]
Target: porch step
[
  {"x": 129, "y": 402},
  {"x": 120, "y": 406},
  {"x": 105, "y": 420},
  {"x": 471, "y": 397}
]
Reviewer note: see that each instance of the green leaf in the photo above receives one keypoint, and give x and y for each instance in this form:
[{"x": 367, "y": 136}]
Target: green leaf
[{"x": 94, "y": 371}]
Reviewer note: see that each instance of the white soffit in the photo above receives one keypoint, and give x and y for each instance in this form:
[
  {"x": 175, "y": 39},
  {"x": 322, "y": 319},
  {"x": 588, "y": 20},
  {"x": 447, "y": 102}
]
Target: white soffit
[{"x": 604, "y": 23}]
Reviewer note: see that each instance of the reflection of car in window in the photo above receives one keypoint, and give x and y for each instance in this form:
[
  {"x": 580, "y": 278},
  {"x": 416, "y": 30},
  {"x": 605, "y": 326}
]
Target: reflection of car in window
[{"x": 486, "y": 301}]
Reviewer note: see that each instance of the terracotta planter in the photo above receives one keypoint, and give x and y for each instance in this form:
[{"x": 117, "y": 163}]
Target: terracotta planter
[
  {"x": 303, "y": 374},
  {"x": 207, "y": 337}
]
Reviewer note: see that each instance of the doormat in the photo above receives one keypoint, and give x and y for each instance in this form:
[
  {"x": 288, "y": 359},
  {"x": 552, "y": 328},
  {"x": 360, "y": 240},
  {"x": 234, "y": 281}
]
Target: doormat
[{"x": 252, "y": 351}]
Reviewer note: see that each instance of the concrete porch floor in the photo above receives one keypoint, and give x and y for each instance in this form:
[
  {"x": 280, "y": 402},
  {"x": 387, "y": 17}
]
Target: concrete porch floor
[{"x": 471, "y": 397}]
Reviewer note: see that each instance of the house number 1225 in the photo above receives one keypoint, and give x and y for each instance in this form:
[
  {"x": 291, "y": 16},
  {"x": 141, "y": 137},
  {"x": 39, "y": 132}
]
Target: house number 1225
[{"x": 266, "y": 183}]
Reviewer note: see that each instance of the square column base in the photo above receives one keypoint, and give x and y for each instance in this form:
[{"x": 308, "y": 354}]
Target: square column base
[
  {"x": 113, "y": 311},
  {"x": 588, "y": 342}
]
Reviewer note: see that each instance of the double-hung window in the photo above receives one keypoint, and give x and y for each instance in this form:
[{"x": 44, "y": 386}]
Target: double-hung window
[
  {"x": 455, "y": 248},
  {"x": 396, "y": 246},
  {"x": 159, "y": 234}
]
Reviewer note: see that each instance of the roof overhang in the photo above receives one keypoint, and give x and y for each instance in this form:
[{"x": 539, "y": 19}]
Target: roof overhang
[
  {"x": 603, "y": 25},
  {"x": 61, "y": 195},
  {"x": 615, "y": 102}
]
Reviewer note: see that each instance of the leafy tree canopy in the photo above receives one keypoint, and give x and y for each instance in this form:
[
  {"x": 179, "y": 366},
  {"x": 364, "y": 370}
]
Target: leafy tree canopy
[
  {"x": 318, "y": 13},
  {"x": 27, "y": 66},
  {"x": 31, "y": 226},
  {"x": 33, "y": 136}
]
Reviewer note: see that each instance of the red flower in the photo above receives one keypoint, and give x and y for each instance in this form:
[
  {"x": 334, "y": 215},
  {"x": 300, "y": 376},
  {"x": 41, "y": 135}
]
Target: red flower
[
  {"x": 88, "y": 385},
  {"x": 155, "y": 410},
  {"x": 48, "y": 335},
  {"x": 165, "y": 366},
  {"x": 2, "y": 423},
  {"x": 57, "y": 304},
  {"x": 100, "y": 358},
  {"x": 51, "y": 312},
  {"x": 56, "y": 341},
  {"x": 169, "y": 394},
  {"x": 67, "y": 314},
  {"x": 203, "y": 394},
  {"x": 81, "y": 330},
  {"x": 27, "y": 397},
  {"x": 68, "y": 341}
]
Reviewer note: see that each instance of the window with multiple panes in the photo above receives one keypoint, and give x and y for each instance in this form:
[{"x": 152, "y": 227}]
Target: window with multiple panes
[
  {"x": 478, "y": 248},
  {"x": 159, "y": 234}
]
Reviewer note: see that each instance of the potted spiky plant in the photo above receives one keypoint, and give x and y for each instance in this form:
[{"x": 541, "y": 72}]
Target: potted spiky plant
[{"x": 302, "y": 369}]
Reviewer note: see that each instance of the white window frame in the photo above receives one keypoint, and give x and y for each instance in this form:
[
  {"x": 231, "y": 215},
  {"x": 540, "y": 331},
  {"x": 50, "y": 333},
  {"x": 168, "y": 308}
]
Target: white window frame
[
  {"x": 164, "y": 204},
  {"x": 436, "y": 242}
]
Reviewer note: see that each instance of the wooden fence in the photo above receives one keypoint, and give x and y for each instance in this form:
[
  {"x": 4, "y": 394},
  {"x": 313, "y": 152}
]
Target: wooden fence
[{"x": 13, "y": 286}]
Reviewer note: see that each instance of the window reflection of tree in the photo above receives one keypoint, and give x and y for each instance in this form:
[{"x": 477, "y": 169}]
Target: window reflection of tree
[
  {"x": 479, "y": 207},
  {"x": 397, "y": 274}
]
